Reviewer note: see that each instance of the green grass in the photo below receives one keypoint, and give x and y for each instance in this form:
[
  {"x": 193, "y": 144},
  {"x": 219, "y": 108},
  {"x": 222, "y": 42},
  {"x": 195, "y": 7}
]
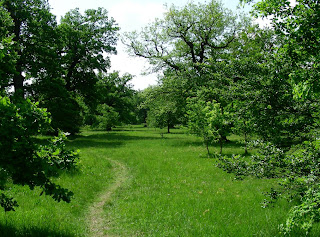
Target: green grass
[{"x": 172, "y": 189}]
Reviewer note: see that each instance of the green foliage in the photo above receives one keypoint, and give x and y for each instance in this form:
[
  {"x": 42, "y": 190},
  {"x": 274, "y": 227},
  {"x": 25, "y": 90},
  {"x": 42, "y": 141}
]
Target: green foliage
[
  {"x": 62, "y": 60},
  {"x": 163, "y": 110},
  {"x": 7, "y": 55},
  {"x": 64, "y": 107},
  {"x": 116, "y": 91},
  {"x": 207, "y": 120},
  {"x": 298, "y": 25},
  {"x": 115, "y": 102},
  {"x": 31, "y": 27},
  {"x": 106, "y": 117},
  {"x": 299, "y": 171},
  {"x": 57, "y": 155},
  {"x": 23, "y": 159},
  {"x": 7, "y": 203},
  {"x": 304, "y": 215},
  {"x": 84, "y": 41},
  {"x": 295, "y": 66},
  {"x": 269, "y": 162},
  {"x": 186, "y": 36}
]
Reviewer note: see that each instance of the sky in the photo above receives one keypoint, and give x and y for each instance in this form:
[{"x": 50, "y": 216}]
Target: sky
[{"x": 130, "y": 15}]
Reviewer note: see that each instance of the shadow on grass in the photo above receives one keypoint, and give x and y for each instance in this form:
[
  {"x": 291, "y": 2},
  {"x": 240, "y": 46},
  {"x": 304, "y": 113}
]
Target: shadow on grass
[
  {"x": 110, "y": 137},
  {"x": 106, "y": 140},
  {"x": 114, "y": 136},
  {"x": 32, "y": 231},
  {"x": 229, "y": 144}
]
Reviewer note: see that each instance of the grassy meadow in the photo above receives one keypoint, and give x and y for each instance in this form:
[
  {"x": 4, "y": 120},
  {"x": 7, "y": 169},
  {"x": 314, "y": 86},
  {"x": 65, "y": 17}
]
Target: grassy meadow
[{"x": 170, "y": 188}]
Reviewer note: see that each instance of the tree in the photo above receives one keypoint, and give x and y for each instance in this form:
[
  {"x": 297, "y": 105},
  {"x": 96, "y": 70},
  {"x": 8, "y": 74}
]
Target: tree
[
  {"x": 85, "y": 39},
  {"x": 32, "y": 27},
  {"x": 116, "y": 100},
  {"x": 82, "y": 45},
  {"x": 186, "y": 36},
  {"x": 298, "y": 25},
  {"x": 141, "y": 112},
  {"x": 190, "y": 44},
  {"x": 64, "y": 57},
  {"x": 163, "y": 110},
  {"x": 65, "y": 108},
  {"x": 296, "y": 68},
  {"x": 106, "y": 117},
  {"x": 24, "y": 160},
  {"x": 207, "y": 120},
  {"x": 7, "y": 55},
  {"x": 186, "y": 40},
  {"x": 247, "y": 64}
]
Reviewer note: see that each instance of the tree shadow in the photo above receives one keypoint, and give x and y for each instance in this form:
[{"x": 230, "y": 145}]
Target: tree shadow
[
  {"x": 9, "y": 230},
  {"x": 114, "y": 136},
  {"x": 129, "y": 129},
  {"x": 105, "y": 140},
  {"x": 229, "y": 144}
]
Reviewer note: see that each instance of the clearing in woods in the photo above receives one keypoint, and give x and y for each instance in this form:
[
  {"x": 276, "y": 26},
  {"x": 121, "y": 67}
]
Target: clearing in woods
[{"x": 135, "y": 181}]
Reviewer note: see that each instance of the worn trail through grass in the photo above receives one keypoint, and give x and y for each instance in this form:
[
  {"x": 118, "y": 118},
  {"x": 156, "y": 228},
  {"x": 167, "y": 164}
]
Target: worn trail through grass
[{"x": 98, "y": 222}]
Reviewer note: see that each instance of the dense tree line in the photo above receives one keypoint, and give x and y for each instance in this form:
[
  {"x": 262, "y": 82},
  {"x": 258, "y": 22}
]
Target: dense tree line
[{"x": 225, "y": 74}]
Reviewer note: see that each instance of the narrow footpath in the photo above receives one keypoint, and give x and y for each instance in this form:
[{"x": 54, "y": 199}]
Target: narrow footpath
[{"x": 98, "y": 223}]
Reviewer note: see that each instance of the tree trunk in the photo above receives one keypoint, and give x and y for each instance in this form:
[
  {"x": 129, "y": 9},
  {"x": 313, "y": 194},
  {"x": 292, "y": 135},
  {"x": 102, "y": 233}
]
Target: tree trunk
[
  {"x": 245, "y": 139},
  {"x": 245, "y": 144},
  {"x": 221, "y": 142},
  {"x": 207, "y": 146},
  {"x": 18, "y": 78},
  {"x": 225, "y": 139},
  {"x": 18, "y": 83},
  {"x": 71, "y": 68}
]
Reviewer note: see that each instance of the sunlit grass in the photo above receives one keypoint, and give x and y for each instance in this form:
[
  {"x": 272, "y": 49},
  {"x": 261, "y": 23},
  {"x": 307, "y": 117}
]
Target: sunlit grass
[
  {"x": 176, "y": 191},
  {"x": 172, "y": 189}
]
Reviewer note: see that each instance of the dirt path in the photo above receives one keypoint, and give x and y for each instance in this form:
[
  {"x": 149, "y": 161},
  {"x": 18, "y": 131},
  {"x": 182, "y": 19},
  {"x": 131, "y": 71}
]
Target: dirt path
[{"x": 97, "y": 221}]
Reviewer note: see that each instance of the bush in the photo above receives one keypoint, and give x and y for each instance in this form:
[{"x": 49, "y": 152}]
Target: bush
[
  {"x": 23, "y": 159},
  {"x": 107, "y": 117},
  {"x": 299, "y": 172}
]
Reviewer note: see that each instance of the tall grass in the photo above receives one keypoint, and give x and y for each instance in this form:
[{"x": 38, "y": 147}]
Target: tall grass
[{"x": 172, "y": 189}]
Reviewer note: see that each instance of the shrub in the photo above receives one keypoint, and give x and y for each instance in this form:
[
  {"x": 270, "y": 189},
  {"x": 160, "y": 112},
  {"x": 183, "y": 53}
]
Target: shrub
[
  {"x": 299, "y": 172},
  {"x": 24, "y": 160}
]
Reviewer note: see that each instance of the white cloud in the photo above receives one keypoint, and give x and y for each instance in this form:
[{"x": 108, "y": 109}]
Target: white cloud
[
  {"x": 135, "y": 66},
  {"x": 133, "y": 15}
]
